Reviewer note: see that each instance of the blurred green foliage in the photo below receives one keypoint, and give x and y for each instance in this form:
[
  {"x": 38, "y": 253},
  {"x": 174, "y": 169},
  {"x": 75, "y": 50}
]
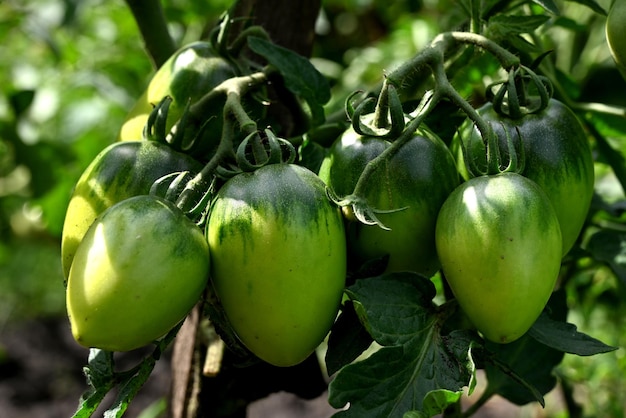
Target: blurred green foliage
[{"x": 70, "y": 71}]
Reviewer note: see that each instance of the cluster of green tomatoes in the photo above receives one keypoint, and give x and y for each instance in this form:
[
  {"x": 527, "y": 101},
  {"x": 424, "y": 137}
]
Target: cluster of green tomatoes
[{"x": 274, "y": 246}]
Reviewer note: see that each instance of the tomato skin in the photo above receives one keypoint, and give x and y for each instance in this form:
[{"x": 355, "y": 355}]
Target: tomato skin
[
  {"x": 278, "y": 260},
  {"x": 557, "y": 158},
  {"x": 614, "y": 31},
  {"x": 120, "y": 171},
  {"x": 419, "y": 178},
  {"x": 499, "y": 242},
  {"x": 138, "y": 271}
]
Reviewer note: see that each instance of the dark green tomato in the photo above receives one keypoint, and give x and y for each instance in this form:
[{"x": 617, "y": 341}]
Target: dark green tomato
[
  {"x": 188, "y": 74},
  {"x": 140, "y": 268},
  {"x": 614, "y": 31},
  {"x": 419, "y": 178},
  {"x": 557, "y": 158},
  {"x": 499, "y": 242},
  {"x": 278, "y": 260},
  {"x": 120, "y": 171}
]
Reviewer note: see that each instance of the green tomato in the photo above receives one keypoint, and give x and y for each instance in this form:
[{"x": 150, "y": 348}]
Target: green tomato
[
  {"x": 614, "y": 30},
  {"x": 557, "y": 158},
  {"x": 139, "y": 269},
  {"x": 418, "y": 178},
  {"x": 499, "y": 242},
  {"x": 188, "y": 74},
  {"x": 278, "y": 260},
  {"x": 120, "y": 171}
]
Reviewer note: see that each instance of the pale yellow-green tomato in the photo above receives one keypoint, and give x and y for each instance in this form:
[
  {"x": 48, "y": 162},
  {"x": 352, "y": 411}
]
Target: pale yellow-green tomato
[
  {"x": 278, "y": 260},
  {"x": 499, "y": 242},
  {"x": 138, "y": 271}
]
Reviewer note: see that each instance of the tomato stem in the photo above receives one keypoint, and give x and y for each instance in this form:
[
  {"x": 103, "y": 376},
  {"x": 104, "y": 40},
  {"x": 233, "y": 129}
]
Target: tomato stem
[
  {"x": 381, "y": 113},
  {"x": 236, "y": 86},
  {"x": 445, "y": 42},
  {"x": 484, "y": 397},
  {"x": 432, "y": 57},
  {"x": 233, "y": 114},
  {"x": 152, "y": 24}
]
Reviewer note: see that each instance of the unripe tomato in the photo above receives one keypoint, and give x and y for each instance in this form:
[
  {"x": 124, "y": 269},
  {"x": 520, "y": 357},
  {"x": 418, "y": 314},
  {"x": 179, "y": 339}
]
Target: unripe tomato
[
  {"x": 188, "y": 74},
  {"x": 615, "y": 35},
  {"x": 120, "y": 171},
  {"x": 557, "y": 158},
  {"x": 499, "y": 242},
  {"x": 418, "y": 178},
  {"x": 278, "y": 260},
  {"x": 138, "y": 271}
]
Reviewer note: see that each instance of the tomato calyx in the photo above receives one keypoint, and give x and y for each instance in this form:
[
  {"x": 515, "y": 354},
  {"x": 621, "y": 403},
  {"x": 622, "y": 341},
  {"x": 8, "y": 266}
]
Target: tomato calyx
[
  {"x": 355, "y": 206},
  {"x": 513, "y": 97},
  {"x": 171, "y": 186},
  {"x": 187, "y": 133},
  {"x": 256, "y": 151},
  {"x": 387, "y": 120},
  {"x": 491, "y": 153}
]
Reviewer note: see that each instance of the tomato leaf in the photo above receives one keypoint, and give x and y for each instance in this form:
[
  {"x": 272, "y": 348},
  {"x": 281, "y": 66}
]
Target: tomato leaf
[
  {"x": 612, "y": 156},
  {"x": 529, "y": 361},
  {"x": 593, "y": 5},
  {"x": 507, "y": 28},
  {"x": 347, "y": 340},
  {"x": 99, "y": 371},
  {"x": 505, "y": 25},
  {"x": 438, "y": 400},
  {"x": 549, "y": 5},
  {"x": 100, "y": 377},
  {"x": 417, "y": 369},
  {"x": 521, "y": 371},
  {"x": 130, "y": 386},
  {"x": 311, "y": 155},
  {"x": 300, "y": 76},
  {"x": 564, "y": 337}
]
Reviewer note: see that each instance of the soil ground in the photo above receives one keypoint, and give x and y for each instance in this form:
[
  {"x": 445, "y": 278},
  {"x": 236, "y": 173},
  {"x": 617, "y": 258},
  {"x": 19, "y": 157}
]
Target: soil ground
[{"x": 41, "y": 377}]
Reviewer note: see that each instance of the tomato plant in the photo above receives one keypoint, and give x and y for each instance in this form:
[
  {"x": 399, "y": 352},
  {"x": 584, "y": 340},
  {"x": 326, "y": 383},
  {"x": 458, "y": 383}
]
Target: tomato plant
[
  {"x": 121, "y": 291},
  {"x": 278, "y": 260},
  {"x": 488, "y": 250},
  {"x": 499, "y": 241}
]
